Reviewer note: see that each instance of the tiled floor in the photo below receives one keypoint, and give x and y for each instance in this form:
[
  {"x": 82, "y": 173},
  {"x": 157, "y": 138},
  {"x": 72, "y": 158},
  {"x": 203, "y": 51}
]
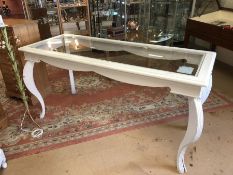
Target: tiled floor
[{"x": 147, "y": 151}]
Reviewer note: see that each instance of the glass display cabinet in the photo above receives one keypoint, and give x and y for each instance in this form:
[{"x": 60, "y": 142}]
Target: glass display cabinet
[
  {"x": 107, "y": 18},
  {"x": 73, "y": 16},
  {"x": 63, "y": 16},
  {"x": 160, "y": 21},
  {"x": 137, "y": 20},
  {"x": 146, "y": 21}
]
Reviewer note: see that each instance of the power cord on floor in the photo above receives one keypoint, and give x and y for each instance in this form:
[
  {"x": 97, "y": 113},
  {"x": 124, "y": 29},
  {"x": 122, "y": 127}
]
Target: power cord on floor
[{"x": 35, "y": 133}]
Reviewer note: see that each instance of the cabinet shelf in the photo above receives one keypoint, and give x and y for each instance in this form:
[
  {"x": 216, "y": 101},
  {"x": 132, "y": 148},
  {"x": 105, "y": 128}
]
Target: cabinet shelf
[
  {"x": 72, "y": 6},
  {"x": 73, "y": 17},
  {"x": 142, "y": 20}
]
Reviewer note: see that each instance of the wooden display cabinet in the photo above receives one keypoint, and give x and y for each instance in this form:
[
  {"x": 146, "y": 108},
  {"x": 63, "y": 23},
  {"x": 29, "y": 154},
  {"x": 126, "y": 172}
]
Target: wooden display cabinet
[
  {"x": 40, "y": 14},
  {"x": 73, "y": 17}
]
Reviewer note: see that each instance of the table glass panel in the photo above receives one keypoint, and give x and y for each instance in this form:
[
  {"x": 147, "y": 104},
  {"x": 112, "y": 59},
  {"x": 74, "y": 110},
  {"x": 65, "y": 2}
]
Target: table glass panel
[{"x": 142, "y": 55}]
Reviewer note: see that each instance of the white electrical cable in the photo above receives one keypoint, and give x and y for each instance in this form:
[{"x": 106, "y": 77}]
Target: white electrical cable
[{"x": 35, "y": 133}]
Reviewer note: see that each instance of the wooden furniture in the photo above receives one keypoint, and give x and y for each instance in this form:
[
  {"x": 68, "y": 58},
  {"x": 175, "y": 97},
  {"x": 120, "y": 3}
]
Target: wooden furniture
[
  {"x": 67, "y": 19},
  {"x": 209, "y": 27},
  {"x": 40, "y": 14},
  {"x": 3, "y": 118},
  {"x": 26, "y": 32},
  {"x": 186, "y": 72}
]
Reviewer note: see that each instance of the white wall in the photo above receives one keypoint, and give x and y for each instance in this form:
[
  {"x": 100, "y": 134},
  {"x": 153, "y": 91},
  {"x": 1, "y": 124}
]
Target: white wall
[
  {"x": 223, "y": 54},
  {"x": 227, "y": 3}
]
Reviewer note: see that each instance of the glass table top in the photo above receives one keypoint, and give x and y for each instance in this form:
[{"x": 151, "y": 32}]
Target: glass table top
[{"x": 136, "y": 54}]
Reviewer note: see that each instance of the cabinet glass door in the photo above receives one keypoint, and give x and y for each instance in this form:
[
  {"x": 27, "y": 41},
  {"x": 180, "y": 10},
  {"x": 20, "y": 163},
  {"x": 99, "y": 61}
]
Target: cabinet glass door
[
  {"x": 107, "y": 18},
  {"x": 146, "y": 21},
  {"x": 157, "y": 21}
]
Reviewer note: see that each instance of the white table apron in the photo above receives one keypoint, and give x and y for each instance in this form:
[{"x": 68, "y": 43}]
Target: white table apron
[
  {"x": 3, "y": 163},
  {"x": 196, "y": 95}
]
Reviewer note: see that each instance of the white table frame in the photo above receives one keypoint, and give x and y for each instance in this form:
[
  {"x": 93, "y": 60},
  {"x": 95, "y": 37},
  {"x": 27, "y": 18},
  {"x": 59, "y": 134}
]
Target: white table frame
[
  {"x": 3, "y": 163},
  {"x": 196, "y": 88}
]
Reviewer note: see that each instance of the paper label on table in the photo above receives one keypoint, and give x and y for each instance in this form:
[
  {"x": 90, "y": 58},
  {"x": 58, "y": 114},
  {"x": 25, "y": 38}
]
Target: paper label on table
[{"x": 185, "y": 70}]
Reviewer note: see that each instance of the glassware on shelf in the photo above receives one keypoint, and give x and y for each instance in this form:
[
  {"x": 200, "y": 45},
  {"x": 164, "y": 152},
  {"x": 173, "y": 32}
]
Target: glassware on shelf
[
  {"x": 147, "y": 21},
  {"x": 73, "y": 16},
  {"x": 107, "y": 18}
]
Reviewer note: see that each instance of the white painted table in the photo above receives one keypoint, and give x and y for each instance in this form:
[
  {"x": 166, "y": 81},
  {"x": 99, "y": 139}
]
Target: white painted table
[
  {"x": 131, "y": 63},
  {"x": 3, "y": 163}
]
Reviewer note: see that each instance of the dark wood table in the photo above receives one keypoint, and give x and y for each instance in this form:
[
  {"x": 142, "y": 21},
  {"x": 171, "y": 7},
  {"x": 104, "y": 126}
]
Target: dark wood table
[{"x": 209, "y": 27}]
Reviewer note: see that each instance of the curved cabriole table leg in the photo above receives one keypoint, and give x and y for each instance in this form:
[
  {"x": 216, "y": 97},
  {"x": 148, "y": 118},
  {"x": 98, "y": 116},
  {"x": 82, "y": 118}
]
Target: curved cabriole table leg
[
  {"x": 30, "y": 84},
  {"x": 194, "y": 130},
  {"x": 195, "y": 124},
  {"x": 3, "y": 163}
]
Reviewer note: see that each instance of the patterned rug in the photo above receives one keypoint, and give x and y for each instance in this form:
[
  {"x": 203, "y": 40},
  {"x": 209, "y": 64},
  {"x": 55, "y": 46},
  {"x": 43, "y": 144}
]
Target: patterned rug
[{"x": 101, "y": 107}]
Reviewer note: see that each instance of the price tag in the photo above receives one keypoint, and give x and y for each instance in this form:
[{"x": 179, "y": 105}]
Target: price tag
[{"x": 185, "y": 70}]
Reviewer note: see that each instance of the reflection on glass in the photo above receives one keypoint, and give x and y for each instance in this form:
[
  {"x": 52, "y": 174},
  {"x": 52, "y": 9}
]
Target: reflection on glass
[
  {"x": 125, "y": 53},
  {"x": 146, "y": 21}
]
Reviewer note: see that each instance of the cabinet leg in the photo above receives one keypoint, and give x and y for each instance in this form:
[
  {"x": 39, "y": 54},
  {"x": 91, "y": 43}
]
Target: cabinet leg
[
  {"x": 194, "y": 130},
  {"x": 212, "y": 47},
  {"x": 30, "y": 84},
  {"x": 186, "y": 39}
]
